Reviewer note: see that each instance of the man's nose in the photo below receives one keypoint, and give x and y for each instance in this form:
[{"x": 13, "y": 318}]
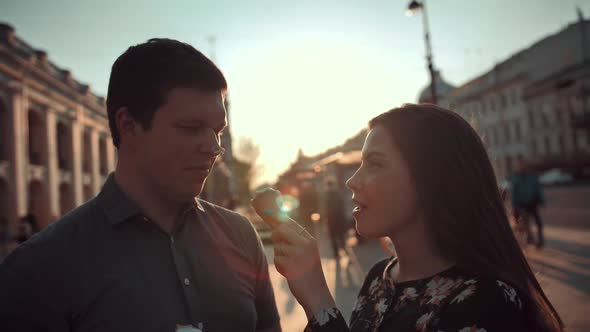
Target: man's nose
[{"x": 211, "y": 144}]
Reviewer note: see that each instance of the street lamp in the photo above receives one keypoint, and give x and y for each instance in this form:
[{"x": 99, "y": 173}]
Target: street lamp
[{"x": 413, "y": 8}]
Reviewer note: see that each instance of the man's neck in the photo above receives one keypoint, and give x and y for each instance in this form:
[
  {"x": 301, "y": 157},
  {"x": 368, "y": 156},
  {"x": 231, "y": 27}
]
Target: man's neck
[
  {"x": 416, "y": 256},
  {"x": 164, "y": 212}
]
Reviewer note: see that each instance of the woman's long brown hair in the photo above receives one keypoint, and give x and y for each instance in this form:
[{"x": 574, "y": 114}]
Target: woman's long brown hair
[{"x": 458, "y": 191}]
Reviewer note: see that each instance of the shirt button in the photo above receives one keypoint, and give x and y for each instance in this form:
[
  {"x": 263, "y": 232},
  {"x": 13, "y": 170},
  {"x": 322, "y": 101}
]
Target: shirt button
[
  {"x": 145, "y": 218},
  {"x": 187, "y": 282}
]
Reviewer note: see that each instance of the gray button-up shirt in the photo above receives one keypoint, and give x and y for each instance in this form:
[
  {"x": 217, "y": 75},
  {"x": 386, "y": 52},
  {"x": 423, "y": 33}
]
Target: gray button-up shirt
[{"x": 107, "y": 267}]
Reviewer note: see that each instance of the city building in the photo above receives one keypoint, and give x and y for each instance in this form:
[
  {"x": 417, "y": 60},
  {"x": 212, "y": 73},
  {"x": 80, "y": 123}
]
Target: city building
[
  {"x": 55, "y": 146},
  {"x": 535, "y": 104}
]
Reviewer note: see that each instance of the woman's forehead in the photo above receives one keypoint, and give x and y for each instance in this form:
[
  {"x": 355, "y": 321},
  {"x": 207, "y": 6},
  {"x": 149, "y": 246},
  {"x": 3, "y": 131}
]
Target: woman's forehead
[{"x": 378, "y": 141}]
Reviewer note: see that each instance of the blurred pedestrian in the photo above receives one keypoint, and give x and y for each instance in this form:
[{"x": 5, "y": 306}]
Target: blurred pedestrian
[
  {"x": 5, "y": 237},
  {"x": 24, "y": 230},
  {"x": 527, "y": 196},
  {"x": 336, "y": 219},
  {"x": 33, "y": 223}
]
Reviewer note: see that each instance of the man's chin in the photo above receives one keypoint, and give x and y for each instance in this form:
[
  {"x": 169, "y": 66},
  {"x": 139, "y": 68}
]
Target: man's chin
[{"x": 188, "y": 194}]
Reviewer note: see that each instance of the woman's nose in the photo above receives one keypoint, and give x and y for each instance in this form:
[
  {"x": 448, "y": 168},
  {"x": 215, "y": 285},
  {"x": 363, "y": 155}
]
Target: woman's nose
[{"x": 352, "y": 183}]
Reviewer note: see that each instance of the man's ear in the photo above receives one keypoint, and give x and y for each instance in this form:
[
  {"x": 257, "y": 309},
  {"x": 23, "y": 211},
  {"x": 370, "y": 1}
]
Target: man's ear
[{"x": 126, "y": 125}]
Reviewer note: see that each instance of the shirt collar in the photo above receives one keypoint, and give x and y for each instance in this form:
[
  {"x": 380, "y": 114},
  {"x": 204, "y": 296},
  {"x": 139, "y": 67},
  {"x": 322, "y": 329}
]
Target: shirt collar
[{"x": 118, "y": 206}]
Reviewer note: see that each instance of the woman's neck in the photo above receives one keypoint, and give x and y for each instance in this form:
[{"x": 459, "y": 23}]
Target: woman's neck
[{"x": 417, "y": 257}]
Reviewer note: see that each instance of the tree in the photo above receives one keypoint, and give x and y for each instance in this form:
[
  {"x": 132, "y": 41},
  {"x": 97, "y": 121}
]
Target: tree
[{"x": 246, "y": 170}]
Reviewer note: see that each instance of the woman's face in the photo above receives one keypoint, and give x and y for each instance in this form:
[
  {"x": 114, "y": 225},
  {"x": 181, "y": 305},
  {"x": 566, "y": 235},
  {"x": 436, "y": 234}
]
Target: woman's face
[{"x": 382, "y": 188}]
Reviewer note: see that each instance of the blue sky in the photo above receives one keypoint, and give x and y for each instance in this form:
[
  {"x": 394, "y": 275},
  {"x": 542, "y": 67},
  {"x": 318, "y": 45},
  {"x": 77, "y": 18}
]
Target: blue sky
[{"x": 302, "y": 74}]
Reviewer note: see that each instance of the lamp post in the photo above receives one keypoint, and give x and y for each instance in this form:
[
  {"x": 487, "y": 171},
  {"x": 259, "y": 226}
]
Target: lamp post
[{"x": 413, "y": 8}]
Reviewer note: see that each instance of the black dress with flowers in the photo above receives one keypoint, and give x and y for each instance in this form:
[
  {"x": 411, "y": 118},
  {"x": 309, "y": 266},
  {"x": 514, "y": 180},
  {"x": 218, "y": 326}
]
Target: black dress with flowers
[{"x": 450, "y": 301}]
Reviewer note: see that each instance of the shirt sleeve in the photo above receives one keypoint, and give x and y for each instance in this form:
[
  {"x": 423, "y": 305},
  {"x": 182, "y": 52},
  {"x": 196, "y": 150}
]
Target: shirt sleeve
[
  {"x": 27, "y": 301},
  {"x": 490, "y": 306}
]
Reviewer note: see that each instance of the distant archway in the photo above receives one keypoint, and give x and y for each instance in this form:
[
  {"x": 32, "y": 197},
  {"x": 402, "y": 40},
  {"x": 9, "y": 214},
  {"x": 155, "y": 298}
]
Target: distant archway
[
  {"x": 3, "y": 131},
  {"x": 64, "y": 154},
  {"x": 36, "y": 138},
  {"x": 66, "y": 198},
  {"x": 38, "y": 203},
  {"x": 4, "y": 199}
]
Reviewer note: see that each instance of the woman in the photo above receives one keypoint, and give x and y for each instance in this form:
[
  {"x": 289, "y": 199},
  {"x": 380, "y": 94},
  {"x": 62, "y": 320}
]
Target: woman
[{"x": 425, "y": 182}]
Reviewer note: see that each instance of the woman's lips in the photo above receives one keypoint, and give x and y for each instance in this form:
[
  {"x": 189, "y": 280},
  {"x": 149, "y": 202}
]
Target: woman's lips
[{"x": 358, "y": 210}]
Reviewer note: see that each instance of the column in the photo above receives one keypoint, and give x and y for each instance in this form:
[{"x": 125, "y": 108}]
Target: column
[
  {"x": 53, "y": 175},
  {"x": 17, "y": 117},
  {"x": 95, "y": 162},
  {"x": 76, "y": 146},
  {"x": 110, "y": 155}
]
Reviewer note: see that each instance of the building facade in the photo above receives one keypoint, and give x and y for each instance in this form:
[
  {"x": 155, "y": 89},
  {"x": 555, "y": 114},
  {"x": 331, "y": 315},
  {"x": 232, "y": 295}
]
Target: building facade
[
  {"x": 55, "y": 146},
  {"x": 532, "y": 106}
]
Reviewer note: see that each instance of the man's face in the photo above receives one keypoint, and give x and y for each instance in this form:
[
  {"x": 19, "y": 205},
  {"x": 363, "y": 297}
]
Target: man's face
[{"x": 177, "y": 153}]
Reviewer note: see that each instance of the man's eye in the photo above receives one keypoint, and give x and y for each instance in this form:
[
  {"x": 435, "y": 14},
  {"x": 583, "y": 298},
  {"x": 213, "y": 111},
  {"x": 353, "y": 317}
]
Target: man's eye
[{"x": 191, "y": 128}]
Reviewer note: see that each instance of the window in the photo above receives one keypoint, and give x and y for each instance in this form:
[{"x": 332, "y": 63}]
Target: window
[
  {"x": 494, "y": 136},
  {"x": 3, "y": 131},
  {"x": 517, "y": 132},
  {"x": 531, "y": 119},
  {"x": 492, "y": 105},
  {"x": 508, "y": 165},
  {"x": 558, "y": 114},
  {"x": 561, "y": 143},
  {"x": 506, "y": 133},
  {"x": 534, "y": 148},
  {"x": 503, "y": 101},
  {"x": 514, "y": 97},
  {"x": 545, "y": 120},
  {"x": 547, "y": 145}
]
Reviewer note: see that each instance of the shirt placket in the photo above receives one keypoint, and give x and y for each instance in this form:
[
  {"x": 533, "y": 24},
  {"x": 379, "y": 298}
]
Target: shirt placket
[{"x": 183, "y": 269}]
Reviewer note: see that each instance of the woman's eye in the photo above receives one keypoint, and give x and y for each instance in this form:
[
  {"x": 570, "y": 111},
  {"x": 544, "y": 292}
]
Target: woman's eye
[{"x": 374, "y": 164}]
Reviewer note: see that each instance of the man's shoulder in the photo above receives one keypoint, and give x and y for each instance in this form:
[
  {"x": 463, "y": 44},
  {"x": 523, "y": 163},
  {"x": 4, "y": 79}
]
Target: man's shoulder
[
  {"x": 65, "y": 230},
  {"x": 232, "y": 217},
  {"x": 55, "y": 245},
  {"x": 231, "y": 222}
]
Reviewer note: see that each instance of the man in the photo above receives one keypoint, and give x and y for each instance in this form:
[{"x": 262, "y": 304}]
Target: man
[
  {"x": 145, "y": 254},
  {"x": 527, "y": 196}
]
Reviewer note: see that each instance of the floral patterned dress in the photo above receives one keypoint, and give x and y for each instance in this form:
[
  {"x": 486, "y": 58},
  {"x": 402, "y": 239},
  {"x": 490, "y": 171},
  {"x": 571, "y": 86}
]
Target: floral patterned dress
[{"x": 450, "y": 301}]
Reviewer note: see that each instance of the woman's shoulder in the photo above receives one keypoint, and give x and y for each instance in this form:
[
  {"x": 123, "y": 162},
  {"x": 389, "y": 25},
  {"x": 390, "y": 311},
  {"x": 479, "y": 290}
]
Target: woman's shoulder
[
  {"x": 491, "y": 292},
  {"x": 379, "y": 268},
  {"x": 484, "y": 302}
]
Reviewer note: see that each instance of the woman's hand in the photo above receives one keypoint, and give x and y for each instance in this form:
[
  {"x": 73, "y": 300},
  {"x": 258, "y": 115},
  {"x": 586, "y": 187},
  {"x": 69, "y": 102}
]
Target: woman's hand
[{"x": 297, "y": 256}]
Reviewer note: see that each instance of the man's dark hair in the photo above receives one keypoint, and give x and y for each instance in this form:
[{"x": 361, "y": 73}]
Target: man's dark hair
[{"x": 143, "y": 75}]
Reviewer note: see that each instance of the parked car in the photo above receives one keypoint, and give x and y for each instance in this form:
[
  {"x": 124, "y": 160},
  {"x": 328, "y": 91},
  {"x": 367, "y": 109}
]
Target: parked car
[{"x": 555, "y": 176}]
